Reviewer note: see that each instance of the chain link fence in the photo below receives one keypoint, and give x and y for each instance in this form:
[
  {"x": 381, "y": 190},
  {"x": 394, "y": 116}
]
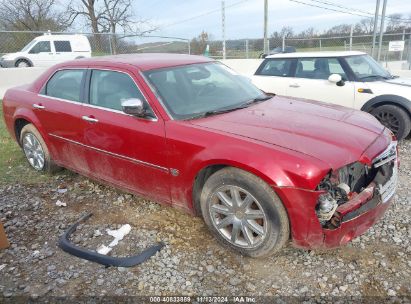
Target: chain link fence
[
  {"x": 109, "y": 44},
  {"x": 253, "y": 48},
  {"x": 103, "y": 43}
]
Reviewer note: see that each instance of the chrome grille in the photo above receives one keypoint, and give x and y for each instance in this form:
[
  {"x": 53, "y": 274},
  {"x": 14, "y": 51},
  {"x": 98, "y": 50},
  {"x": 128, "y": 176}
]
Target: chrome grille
[{"x": 388, "y": 155}]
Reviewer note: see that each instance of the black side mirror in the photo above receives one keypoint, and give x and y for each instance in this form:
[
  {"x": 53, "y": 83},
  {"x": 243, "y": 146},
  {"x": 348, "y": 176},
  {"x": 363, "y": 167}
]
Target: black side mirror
[{"x": 134, "y": 106}]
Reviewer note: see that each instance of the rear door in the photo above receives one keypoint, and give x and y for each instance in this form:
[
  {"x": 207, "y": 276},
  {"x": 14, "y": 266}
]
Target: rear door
[
  {"x": 58, "y": 107},
  {"x": 273, "y": 75},
  {"x": 311, "y": 82},
  {"x": 64, "y": 50},
  {"x": 122, "y": 149}
]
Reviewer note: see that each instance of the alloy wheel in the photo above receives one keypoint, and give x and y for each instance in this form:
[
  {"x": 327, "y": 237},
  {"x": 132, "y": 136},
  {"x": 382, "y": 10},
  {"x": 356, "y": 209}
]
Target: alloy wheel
[
  {"x": 33, "y": 151},
  {"x": 389, "y": 120},
  {"x": 238, "y": 216}
]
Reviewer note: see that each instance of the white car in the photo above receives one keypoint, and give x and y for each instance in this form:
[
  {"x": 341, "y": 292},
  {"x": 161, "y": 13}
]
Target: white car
[
  {"x": 351, "y": 79},
  {"x": 48, "y": 50}
]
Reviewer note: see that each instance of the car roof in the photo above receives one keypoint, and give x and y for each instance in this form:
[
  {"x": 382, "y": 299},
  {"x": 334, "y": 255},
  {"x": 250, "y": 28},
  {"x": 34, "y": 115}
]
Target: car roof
[
  {"x": 316, "y": 54},
  {"x": 144, "y": 62},
  {"x": 66, "y": 37}
]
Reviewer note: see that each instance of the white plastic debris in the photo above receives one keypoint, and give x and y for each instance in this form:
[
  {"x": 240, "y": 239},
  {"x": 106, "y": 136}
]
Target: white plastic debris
[
  {"x": 61, "y": 191},
  {"x": 103, "y": 249},
  {"x": 96, "y": 233},
  {"x": 2, "y": 266},
  {"x": 118, "y": 235},
  {"x": 60, "y": 204}
]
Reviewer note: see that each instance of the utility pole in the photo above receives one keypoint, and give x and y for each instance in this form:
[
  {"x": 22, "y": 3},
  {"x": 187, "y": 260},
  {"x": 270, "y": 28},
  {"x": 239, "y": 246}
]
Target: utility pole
[
  {"x": 223, "y": 26},
  {"x": 384, "y": 7},
  {"x": 374, "y": 34},
  {"x": 266, "y": 26}
]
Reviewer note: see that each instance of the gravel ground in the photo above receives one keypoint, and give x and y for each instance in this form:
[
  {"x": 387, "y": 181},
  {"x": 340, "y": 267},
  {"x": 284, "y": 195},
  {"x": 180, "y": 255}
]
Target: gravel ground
[{"x": 377, "y": 264}]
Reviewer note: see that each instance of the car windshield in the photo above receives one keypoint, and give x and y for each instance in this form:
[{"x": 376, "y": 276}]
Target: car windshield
[
  {"x": 198, "y": 90},
  {"x": 366, "y": 68},
  {"x": 28, "y": 46}
]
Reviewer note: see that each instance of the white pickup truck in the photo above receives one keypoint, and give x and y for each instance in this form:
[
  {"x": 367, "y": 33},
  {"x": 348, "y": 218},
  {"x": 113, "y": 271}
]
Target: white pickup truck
[{"x": 351, "y": 79}]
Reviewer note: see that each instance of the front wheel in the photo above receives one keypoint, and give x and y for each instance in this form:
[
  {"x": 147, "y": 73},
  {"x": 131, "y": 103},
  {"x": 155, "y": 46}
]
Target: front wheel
[
  {"x": 244, "y": 213},
  {"x": 394, "y": 118},
  {"x": 36, "y": 151},
  {"x": 22, "y": 63}
]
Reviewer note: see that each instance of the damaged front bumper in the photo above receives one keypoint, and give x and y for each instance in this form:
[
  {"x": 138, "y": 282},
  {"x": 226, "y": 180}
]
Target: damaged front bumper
[{"x": 351, "y": 218}]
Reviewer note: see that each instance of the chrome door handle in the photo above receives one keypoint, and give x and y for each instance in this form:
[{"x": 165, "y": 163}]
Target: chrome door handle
[
  {"x": 294, "y": 85},
  {"x": 89, "y": 119},
  {"x": 37, "y": 106}
]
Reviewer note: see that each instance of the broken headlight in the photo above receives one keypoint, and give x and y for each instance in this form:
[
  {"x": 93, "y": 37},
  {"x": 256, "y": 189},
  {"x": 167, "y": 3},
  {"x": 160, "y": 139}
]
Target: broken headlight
[{"x": 339, "y": 186}]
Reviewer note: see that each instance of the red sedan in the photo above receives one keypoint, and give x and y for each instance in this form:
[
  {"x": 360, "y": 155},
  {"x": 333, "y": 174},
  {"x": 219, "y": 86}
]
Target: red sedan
[{"x": 189, "y": 132}]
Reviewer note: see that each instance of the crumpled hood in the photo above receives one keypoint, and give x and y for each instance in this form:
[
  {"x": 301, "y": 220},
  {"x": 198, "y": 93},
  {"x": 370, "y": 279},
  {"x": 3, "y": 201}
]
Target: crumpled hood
[{"x": 331, "y": 133}]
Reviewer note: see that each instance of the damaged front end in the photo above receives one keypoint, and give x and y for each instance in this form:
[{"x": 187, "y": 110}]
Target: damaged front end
[{"x": 356, "y": 189}]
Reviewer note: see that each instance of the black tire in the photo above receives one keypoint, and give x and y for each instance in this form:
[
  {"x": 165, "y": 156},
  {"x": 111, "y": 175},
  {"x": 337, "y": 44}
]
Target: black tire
[
  {"x": 394, "y": 118},
  {"x": 18, "y": 62},
  {"x": 276, "y": 223},
  {"x": 49, "y": 166}
]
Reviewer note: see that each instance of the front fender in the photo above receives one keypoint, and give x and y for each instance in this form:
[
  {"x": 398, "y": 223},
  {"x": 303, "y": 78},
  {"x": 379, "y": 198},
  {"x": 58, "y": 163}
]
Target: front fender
[
  {"x": 278, "y": 167},
  {"x": 387, "y": 99}
]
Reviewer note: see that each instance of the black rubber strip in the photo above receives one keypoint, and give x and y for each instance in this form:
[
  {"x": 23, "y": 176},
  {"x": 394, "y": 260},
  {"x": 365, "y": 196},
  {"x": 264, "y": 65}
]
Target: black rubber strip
[{"x": 67, "y": 246}]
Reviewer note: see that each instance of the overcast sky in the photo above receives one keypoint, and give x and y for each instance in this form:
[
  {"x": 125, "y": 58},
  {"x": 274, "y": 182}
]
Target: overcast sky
[{"x": 245, "y": 20}]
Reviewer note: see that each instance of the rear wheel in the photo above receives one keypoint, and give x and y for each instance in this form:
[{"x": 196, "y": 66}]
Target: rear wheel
[
  {"x": 36, "y": 151},
  {"x": 244, "y": 213},
  {"x": 394, "y": 118}
]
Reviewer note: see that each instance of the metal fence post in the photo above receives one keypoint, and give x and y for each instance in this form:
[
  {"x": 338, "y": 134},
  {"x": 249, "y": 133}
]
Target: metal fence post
[
  {"x": 384, "y": 7},
  {"x": 109, "y": 43},
  {"x": 189, "y": 46},
  {"x": 283, "y": 45},
  {"x": 321, "y": 48},
  {"x": 409, "y": 52},
  {"x": 351, "y": 32},
  {"x": 403, "y": 39},
  {"x": 246, "y": 48}
]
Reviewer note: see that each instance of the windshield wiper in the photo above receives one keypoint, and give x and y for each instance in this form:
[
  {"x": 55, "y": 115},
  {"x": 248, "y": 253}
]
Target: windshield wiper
[
  {"x": 374, "y": 76},
  {"x": 226, "y": 110}
]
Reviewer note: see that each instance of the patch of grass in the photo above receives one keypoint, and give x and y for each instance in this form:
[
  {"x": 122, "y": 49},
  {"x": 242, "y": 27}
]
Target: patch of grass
[{"x": 13, "y": 165}]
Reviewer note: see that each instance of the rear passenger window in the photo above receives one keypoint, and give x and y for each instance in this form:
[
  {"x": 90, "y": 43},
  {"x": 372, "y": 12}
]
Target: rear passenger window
[
  {"x": 62, "y": 46},
  {"x": 65, "y": 84},
  {"x": 109, "y": 88},
  {"x": 276, "y": 67}
]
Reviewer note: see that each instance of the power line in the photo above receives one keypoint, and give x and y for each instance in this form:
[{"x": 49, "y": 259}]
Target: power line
[
  {"x": 205, "y": 13},
  {"x": 328, "y": 8},
  {"x": 350, "y": 9}
]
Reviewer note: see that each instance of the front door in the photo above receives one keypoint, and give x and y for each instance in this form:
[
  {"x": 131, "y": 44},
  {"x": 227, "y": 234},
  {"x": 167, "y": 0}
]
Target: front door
[
  {"x": 42, "y": 54},
  {"x": 311, "y": 82},
  {"x": 122, "y": 149},
  {"x": 273, "y": 76}
]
